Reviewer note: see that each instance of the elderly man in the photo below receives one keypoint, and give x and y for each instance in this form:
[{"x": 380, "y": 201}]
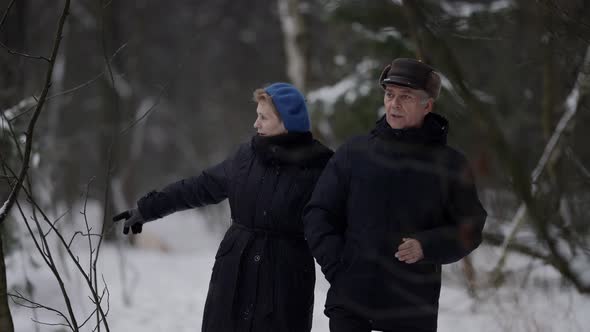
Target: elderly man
[{"x": 390, "y": 208}]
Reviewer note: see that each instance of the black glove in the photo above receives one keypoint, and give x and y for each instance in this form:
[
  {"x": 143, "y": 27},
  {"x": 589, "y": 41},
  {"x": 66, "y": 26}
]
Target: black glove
[{"x": 133, "y": 219}]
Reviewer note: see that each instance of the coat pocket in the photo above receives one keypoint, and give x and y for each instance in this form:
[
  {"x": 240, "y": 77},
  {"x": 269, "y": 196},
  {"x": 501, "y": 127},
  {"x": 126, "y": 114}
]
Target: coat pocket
[
  {"x": 225, "y": 247},
  {"x": 226, "y": 244}
]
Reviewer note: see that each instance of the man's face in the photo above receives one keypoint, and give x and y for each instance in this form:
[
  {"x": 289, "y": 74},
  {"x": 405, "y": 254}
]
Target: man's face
[
  {"x": 267, "y": 122},
  {"x": 405, "y": 107}
]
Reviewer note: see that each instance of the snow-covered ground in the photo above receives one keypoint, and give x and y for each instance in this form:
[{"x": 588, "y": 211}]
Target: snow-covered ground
[{"x": 162, "y": 287}]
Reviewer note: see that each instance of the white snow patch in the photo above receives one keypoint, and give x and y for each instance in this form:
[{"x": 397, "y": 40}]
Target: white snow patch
[
  {"x": 11, "y": 112},
  {"x": 330, "y": 94},
  {"x": 167, "y": 290},
  {"x": 123, "y": 88},
  {"x": 381, "y": 36},
  {"x": 3, "y": 208},
  {"x": 35, "y": 160},
  {"x": 466, "y": 9},
  {"x": 349, "y": 88},
  {"x": 4, "y": 125},
  {"x": 340, "y": 59},
  {"x": 484, "y": 97},
  {"x": 572, "y": 99}
]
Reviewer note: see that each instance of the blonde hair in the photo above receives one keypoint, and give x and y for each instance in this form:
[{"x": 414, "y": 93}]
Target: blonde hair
[{"x": 260, "y": 95}]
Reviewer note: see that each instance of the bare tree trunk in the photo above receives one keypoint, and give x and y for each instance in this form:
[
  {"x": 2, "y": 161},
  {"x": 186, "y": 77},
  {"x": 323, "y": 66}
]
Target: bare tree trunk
[
  {"x": 5, "y": 317},
  {"x": 295, "y": 42},
  {"x": 108, "y": 34},
  {"x": 415, "y": 31}
]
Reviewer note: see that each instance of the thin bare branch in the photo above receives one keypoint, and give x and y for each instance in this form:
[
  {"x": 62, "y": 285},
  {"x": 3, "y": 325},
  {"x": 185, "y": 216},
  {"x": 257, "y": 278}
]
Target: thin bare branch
[
  {"x": 30, "y": 102},
  {"x": 566, "y": 13},
  {"x": 104, "y": 282},
  {"x": 107, "y": 190},
  {"x": 6, "y": 47},
  {"x": 108, "y": 294},
  {"x": 52, "y": 266},
  {"x": 29, "y": 109},
  {"x": 472, "y": 37},
  {"x": 76, "y": 260},
  {"x": 6, "y": 14},
  {"x": 72, "y": 239},
  {"x": 35, "y": 305},
  {"x": 88, "y": 228},
  {"x": 92, "y": 80},
  {"x": 88, "y": 318},
  {"x": 56, "y": 220},
  {"x": 13, "y": 136},
  {"x": 46, "y": 254},
  {"x": 25, "y": 103},
  {"x": 583, "y": 169},
  {"x": 24, "y": 55},
  {"x": 30, "y": 130},
  {"x": 50, "y": 324},
  {"x": 39, "y": 247},
  {"x": 497, "y": 239}
]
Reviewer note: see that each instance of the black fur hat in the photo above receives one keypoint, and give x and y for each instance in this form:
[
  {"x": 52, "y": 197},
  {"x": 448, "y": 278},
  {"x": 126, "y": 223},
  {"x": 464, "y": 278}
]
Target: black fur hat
[{"x": 413, "y": 74}]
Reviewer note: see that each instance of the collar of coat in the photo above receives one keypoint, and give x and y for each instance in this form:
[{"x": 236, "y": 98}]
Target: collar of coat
[
  {"x": 291, "y": 149},
  {"x": 434, "y": 131}
]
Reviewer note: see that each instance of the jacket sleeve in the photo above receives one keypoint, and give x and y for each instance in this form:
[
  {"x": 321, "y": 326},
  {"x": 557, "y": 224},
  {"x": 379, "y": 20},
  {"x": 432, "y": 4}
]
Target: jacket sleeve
[
  {"x": 464, "y": 221},
  {"x": 210, "y": 187},
  {"x": 324, "y": 215}
]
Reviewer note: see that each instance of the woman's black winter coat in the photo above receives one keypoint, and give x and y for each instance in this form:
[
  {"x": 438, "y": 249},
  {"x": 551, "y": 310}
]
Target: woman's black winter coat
[
  {"x": 263, "y": 278},
  {"x": 376, "y": 190}
]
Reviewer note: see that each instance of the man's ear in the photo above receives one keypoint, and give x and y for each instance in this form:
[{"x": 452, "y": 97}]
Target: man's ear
[{"x": 429, "y": 106}]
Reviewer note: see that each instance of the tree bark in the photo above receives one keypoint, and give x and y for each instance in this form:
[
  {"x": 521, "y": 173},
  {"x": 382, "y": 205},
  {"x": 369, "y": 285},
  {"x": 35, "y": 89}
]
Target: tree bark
[
  {"x": 295, "y": 42},
  {"x": 6, "y": 324}
]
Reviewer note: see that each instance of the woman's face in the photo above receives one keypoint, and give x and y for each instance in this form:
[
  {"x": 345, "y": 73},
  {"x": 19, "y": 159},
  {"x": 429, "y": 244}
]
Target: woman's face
[{"x": 267, "y": 121}]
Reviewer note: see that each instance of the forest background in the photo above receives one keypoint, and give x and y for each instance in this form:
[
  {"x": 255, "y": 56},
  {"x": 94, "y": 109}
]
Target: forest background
[{"x": 102, "y": 101}]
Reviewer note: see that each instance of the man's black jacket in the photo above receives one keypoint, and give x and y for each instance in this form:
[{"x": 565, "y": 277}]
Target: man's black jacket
[{"x": 376, "y": 190}]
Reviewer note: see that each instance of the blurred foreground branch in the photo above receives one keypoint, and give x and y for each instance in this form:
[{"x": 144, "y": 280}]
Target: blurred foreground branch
[
  {"x": 521, "y": 180},
  {"x": 552, "y": 147}
]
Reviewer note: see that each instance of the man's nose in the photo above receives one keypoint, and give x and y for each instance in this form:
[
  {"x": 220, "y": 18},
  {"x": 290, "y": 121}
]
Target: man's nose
[{"x": 395, "y": 102}]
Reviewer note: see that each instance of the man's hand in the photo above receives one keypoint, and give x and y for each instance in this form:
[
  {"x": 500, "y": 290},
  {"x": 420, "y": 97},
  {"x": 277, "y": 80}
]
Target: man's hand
[
  {"x": 410, "y": 251},
  {"x": 133, "y": 219}
]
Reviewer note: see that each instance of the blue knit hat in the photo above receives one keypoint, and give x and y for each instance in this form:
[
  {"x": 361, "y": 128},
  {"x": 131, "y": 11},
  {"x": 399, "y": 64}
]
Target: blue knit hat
[{"x": 291, "y": 106}]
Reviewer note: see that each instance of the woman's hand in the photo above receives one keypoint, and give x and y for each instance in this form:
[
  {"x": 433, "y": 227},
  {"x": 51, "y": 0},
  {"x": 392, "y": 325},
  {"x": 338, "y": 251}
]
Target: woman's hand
[{"x": 133, "y": 220}]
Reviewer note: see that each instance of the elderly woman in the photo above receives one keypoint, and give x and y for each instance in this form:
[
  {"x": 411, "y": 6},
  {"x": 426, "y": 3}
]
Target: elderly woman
[{"x": 263, "y": 278}]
